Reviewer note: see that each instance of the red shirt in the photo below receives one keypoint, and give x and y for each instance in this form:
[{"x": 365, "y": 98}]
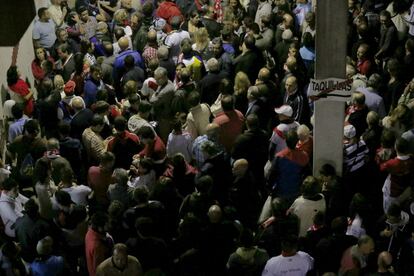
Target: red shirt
[
  {"x": 22, "y": 88},
  {"x": 401, "y": 169},
  {"x": 156, "y": 151},
  {"x": 231, "y": 126},
  {"x": 298, "y": 156},
  {"x": 97, "y": 249},
  {"x": 99, "y": 182}
]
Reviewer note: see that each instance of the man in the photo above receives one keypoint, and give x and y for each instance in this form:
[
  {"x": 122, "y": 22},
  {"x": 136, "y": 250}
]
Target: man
[
  {"x": 265, "y": 41},
  {"x": 357, "y": 113},
  {"x": 81, "y": 119},
  {"x": 124, "y": 145},
  {"x": 285, "y": 176},
  {"x": 250, "y": 60},
  {"x": 364, "y": 63},
  {"x": 132, "y": 72},
  {"x": 175, "y": 37},
  {"x": 373, "y": 100},
  {"x": 277, "y": 140},
  {"x": 16, "y": 128},
  {"x": 212, "y": 135},
  {"x": 46, "y": 263},
  {"x": 170, "y": 12},
  {"x": 150, "y": 49},
  {"x": 86, "y": 24},
  {"x": 119, "y": 64},
  {"x": 389, "y": 38},
  {"x": 224, "y": 58},
  {"x": 98, "y": 243},
  {"x": 63, "y": 38},
  {"x": 161, "y": 101},
  {"x": 93, "y": 142},
  {"x": 120, "y": 263},
  {"x": 257, "y": 105},
  {"x": 397, "y": 187},
  {"x": 93, "y": 83},
  {"x": 264, "y": 9},
  {"x": 294, "y": 99},
  {"x": 198, "y": 116},
  {"x": 140, "y": 23},
  {"x": 11, "y": 206},
  {"x": 209, "y": 85},
  {"x": 99, "y": 179},
  {"x": 290, "y": 261},
  {"x": 355, "y": 258},
  {"x": 43, "y": 33},
  {"x": 267, "y": 88},
  {"x": 166, "y": 61},
  {"x": 67, "y": 62},
  {"x": 230, "y": 121}
]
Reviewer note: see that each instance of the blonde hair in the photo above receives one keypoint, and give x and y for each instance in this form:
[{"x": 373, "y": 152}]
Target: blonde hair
[
  {"x": 241, "y": 83},
  {"x": 201, "y": 39},
  {"x": 120, "y": 15}
]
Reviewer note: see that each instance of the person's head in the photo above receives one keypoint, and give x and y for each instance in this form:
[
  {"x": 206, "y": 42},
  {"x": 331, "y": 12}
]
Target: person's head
[
  {"x": 162, "y": 53},
  {"x": 31, "y": 128},
  {"x": 240, "y": 167},
  {"x": 385, "y": 18},
  {"x": 217, "y": 46},
  {"x": 373, "y": 119},
  {"x": 291, "y": 85},
  {"x": 107, "y": 161},
  {"x": 303, "y": 133},
  {"x": 227, "y": 103},
  {"x": 194, "y": 17},
  {"x": 290, "y": 64},
  {"x": 394, "y": 67},
  {"x": 253, "y": 93},
  {"x": 141, "y": 194},
  {"x": 12, "y": 75},
  {"x": 123, "y": 43},
  {"x": 241, "y": 83},
  {"x": 362, "y": 51},
  {"x": 193, "y": 98},
  {"x": 120, "y": 253},
  {"x": 185, "y": 75},
  {"x": 129, "y": 62},
  {"x": 290, "y": 244},
  {"x": 384, "y": 261},
  {"x": 387, "y": 139},
  {"x": 146, "y": 135},
  {"x": 358, "y": 99},
  {"x": 161, "y": 76},
  {"x": 43, "y": 14},
  {"x": 44, "y": 246},
  {"x": 120, "y": 124},
  {"x": 175, "y": 22},
  {"x": 215, "y": 214},
  {"x": 366, "y": 245},
  {"x": 203, "y": 184},
  {"x": 310, "y": 187},
  {"x": 97, "y": 123},
  {"x": 284, "y": 112},
  {"x": 99, "y": 221},
  {"x": 31, "y": 208},
  {"x": 120, "y": 176},
  {"x": 83, "y": 14},
  {"x": 96, "y": 72},
  {"x": 402, "y": 146},
  {"x": 291, "y": 139},
  {"x": 63, "y": 51},
  {"x": 213, "y": 65},
  {"x": 77, "y": 103},
  {"x": 249, "y": 42},
  {"x": 67, "y": 175},
  {"x": 349, "y": 133},
  {"x": 327, "y": 172},
  {"x": 339, "y": 225},
  {"x": 252, "y": 122},
  {"x": 152, "y": 37},
  {"x": 40, "y": 54},
  {"x": 212, "y": 131},
  {"x": 374, "y": 81},
  {"x": 225, "y": 87},
  {"x": 17, "y": 111},
  {"x": 63, "y": 199},
  {"x": 186, "y": 46},
  {"x": 210, "y": 149},
  {"x": 310, "y": 18},
  {"x": 11, "y": 187}
]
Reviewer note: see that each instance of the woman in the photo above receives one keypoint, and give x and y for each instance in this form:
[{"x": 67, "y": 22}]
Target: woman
[
  {"x": 194, "y": 23},
  {"x": 37, "y": 70},
  {"x": 202, "y": 43},
  {"x": 359, "y": 216},
  {"x": 20, "y": 90},
  {"x": 395, "y": 86},
  {"x": 241, "y": 85}
]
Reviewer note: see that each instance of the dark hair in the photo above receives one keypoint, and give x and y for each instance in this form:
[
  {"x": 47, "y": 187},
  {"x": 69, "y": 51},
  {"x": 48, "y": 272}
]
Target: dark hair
[
  {"x": 246, "y": 238},
  {"x": 292, "y": 139},
  {"x": 385, "y": 13},
  {"x": 9, "y": 183},
  {"x": 402, "y": 146},
  {"x": 41, "y": 170},
  {"x": 193, "y": 98},
  {"x": 31, "y": 208},
  {"x": 85, "y": 45},
  {"x": 250, "y": 42},
  {"x": 102, "y": 95},
  {"x": 204, "y": 184},
  {"x": 308, "y": 40},
  {"x": 387, "y": 138},
  {"x": 101, "y": 107},
  {"x": 327, "y": 170},
  {"x": 289, "y": 243},
  {"x": 226, "y": 87},
  {"x": 64, "y": 128},
  {"x": 120, "y": 123},
  {"x": 227, "y": 103},
  {"x": 146, "y": 163},
  {"x": 97, "y": 120},
  {"x": 63, "y": 198},
  {"x": 255, "y": 28},
  {"x": 141, "y": 194},
  {"x": 252, "y": 121},
  {"x": 17, "y": 110},
  {"x": 41, "y": 12},
  {"x": 129, "y": 61},
  {"x": 99, "y": 219},
  {"x": 64, "y": 48},
  {"x": 310, "y": 187},
  {"x": 147, "y": 8},
  {"x": 146, "y": 132},
  {"x": 410, "y": 45},
  {"x": 144, "y": 106},
  {"x": 394, "y": 210},
  {"x": 107, "y": 157},
  {"x": 81, "y": 9},
  {"x": 339, "y": 225},
  {"x": 12, "y": 75},
  {"x": 31, "y": 126}
]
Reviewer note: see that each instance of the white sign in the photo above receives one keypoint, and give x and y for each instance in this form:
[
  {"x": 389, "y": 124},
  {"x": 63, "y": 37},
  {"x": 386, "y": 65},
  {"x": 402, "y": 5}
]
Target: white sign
[{"x": 330, "y": 89}]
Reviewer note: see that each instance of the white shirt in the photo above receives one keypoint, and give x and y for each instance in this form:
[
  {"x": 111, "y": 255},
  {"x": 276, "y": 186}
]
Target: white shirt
[
  {"x": 306, "y": 209},
  {"x": 181, "y": 143},
  {"x": 79, "y": 194},
  {"x": 296, "y": 265},
  {"x": 10, "y": 210}
]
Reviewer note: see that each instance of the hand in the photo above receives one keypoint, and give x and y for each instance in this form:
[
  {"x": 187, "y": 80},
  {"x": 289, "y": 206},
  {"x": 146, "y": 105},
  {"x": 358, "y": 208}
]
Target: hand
[{"x": 75, "y": 18}]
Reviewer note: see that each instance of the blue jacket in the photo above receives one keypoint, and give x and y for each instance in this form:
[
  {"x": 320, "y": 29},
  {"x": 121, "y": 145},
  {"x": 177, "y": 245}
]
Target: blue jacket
[
  {"x": 90, "y": 89},
  {"x": 119, "y": 63}
]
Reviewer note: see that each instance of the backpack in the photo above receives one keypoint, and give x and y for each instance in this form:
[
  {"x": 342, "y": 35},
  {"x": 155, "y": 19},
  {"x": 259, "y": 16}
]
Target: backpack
[{"x": 27, "y": 166}]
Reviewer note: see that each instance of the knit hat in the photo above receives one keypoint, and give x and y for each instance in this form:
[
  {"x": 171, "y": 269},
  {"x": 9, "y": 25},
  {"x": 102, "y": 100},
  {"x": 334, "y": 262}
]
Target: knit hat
[
  {"x": 69, "y": 88},
  {"x": 349, "y": 131}
]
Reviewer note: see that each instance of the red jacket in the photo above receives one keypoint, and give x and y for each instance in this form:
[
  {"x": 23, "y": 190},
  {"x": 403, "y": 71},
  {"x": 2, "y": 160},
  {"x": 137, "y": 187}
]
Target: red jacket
[{"x": 97, "y": 248}]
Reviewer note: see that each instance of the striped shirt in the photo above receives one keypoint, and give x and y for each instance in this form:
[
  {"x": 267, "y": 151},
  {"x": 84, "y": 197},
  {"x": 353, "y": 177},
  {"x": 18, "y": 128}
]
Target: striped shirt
[{"x": 355, "y": 156}]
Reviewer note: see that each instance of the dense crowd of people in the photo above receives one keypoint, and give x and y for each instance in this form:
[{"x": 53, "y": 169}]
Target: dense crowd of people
[{"x": 175, "y": 138}]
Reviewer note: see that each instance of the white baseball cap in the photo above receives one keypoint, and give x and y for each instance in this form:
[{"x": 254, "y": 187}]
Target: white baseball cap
[
  {"x": 285, "y": 110},
  {"x": 349, "y": 131}
]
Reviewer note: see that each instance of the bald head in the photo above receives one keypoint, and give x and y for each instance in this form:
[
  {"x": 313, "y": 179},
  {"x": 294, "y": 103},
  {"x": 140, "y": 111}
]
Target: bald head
[
  {"x": 123, "y": 43},
  {"x": 215, "y": 214},
  {"x": 77, "y": 103},
  {"x": 264, "y": 74},
  {"x": 152, "y": 36},
  {"x": 384, "y": 261},
  {"x": 240, "y": 167}
]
